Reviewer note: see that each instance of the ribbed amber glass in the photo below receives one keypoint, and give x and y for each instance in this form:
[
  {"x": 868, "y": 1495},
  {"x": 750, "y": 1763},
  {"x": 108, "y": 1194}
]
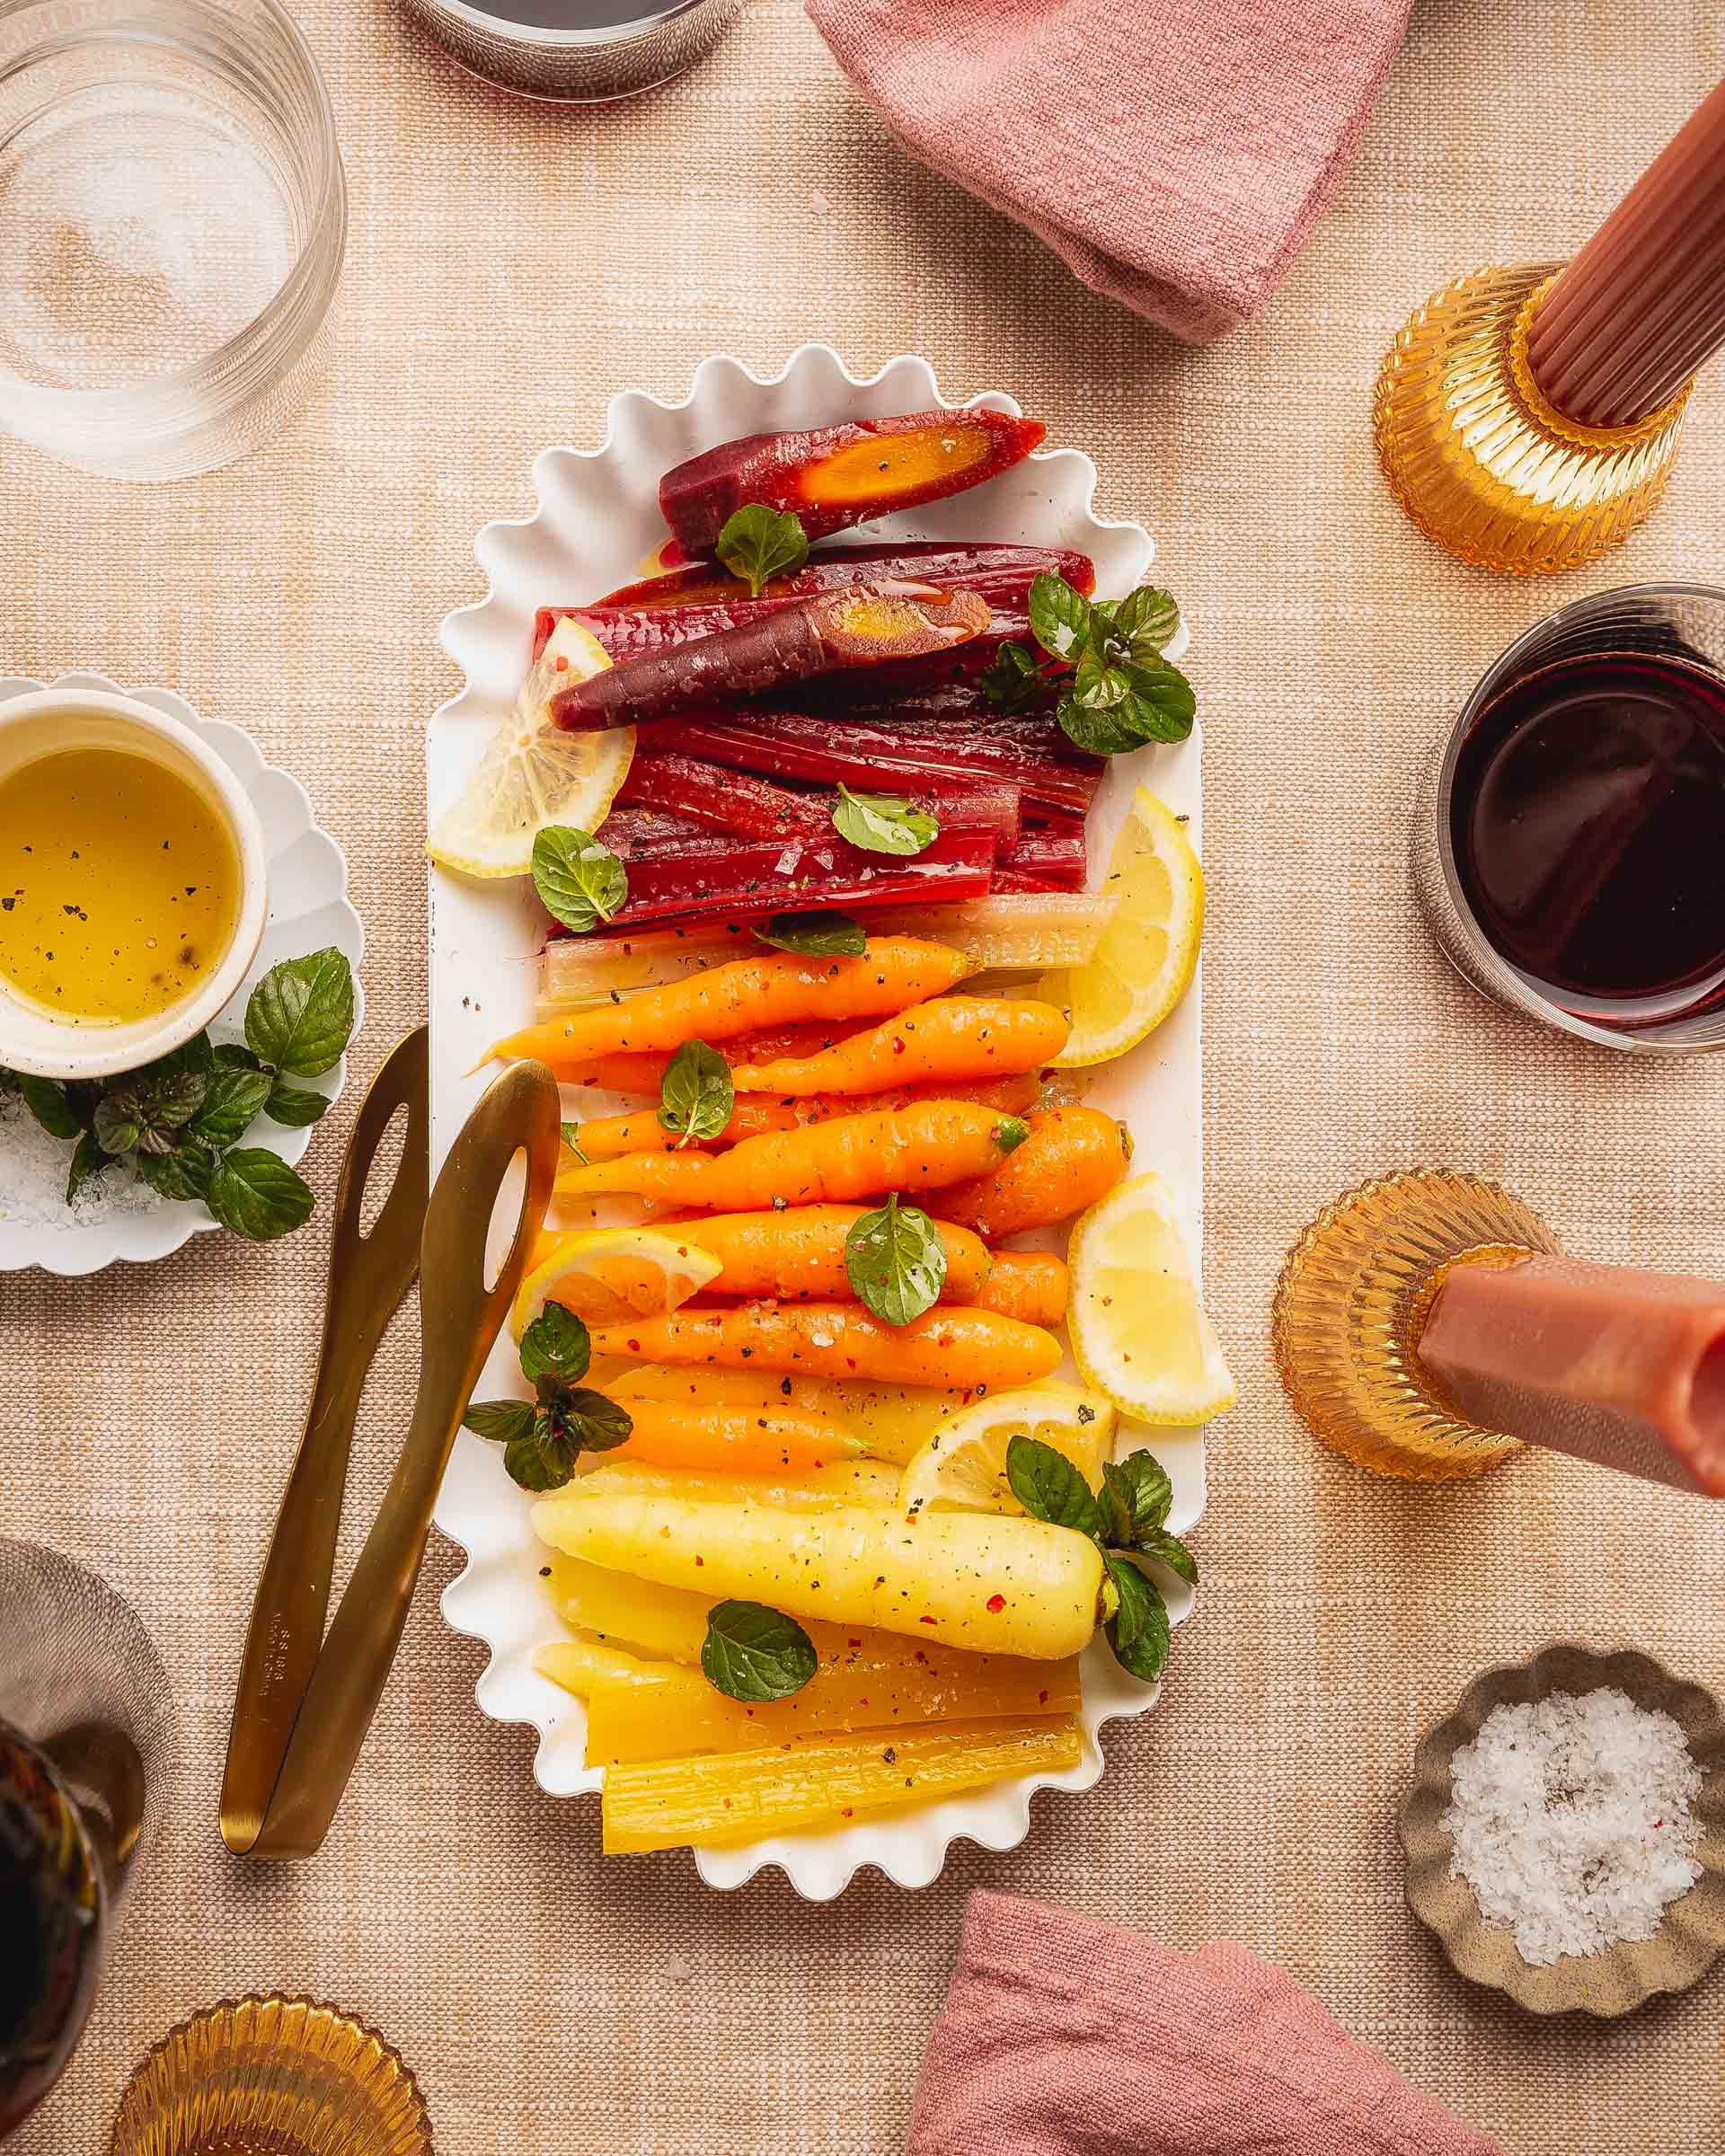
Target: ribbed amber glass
[
  {"x": 1352, "y": 1301},
  {"x": 272, "y": 2077},
  {"x": 1481, "y": 462}
]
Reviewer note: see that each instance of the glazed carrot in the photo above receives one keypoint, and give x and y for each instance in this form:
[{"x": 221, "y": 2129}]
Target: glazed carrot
[
  {"x": 628, "y": 1073},
  {"x": 749, "y": 995},
  {"x": 835, "y": 476},
  {"x": 952, "y": 1344},
  {"x": 852, "y": 1157},
  {"x": 1030, "y": 1285},
  {"x": 958, "y": 1039},
  {"x": 862, "y": 626},
  {"x": 609, "y": 1137},
  {"x": 1073, "y": 1157},
  {"x": 733, "y": 1440},
  {"x": 799, "y": 1254}
]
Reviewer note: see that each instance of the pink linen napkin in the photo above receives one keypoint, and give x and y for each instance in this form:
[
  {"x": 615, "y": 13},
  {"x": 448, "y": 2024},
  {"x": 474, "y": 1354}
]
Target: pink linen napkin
[
  {"x": 1062, "y": 2036},
  {"x": 1174, "y": 152}
]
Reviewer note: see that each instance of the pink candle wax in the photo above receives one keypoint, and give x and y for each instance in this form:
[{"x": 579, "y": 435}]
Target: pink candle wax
[{"x": 1610, "y": 1363}]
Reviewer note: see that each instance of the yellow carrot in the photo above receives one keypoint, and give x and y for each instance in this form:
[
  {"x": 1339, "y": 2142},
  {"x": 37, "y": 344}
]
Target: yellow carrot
[
  {"x": 632, "y": 1614},
  {"x": 667, "y": 1710},
  {"x": 826, "y": 1488},
  {"x": 820, "y": 1782},
  {"x": 998, "y": 1583},
  {"x": 777, "y": 988},
  {"x": 952, "y": 1042},
  {"x": 916, "y": 1148},
  {"x": 799, "y": 1254},
  {"x": 1072, "y": 1157},
  {"x": 1030, "y": 1285},
  {"x": 609, "y": 1137},
  {"x": 730, "y": 1439},
  {"x": 951, "y": 1345}
]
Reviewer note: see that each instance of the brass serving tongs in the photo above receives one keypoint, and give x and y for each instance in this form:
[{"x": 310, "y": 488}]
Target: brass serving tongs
[{"x": 306, "y": 1700}]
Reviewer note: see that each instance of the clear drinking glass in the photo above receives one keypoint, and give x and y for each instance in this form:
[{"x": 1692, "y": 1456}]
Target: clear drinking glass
[
  {"x": 173, "y": 214},
  {"x": 1677, "y": 628}
]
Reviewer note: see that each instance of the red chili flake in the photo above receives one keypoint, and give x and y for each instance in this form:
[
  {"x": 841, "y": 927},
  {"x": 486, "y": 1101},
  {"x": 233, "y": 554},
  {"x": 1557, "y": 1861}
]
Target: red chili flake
[
  {"x": 634, "y": 1347},
  {"x": 847, "y": 1811},
  {"x": 1041, "y": 1699},
  {"x": 997, "y": 1604},
  {"x": 848, "y": 1643},
  {"x": 699, "y": 1562},
  {"x": 925, "y": 1621},
  {"x": 898, "y": 1045},
  {"x": 561, "y": 666}
]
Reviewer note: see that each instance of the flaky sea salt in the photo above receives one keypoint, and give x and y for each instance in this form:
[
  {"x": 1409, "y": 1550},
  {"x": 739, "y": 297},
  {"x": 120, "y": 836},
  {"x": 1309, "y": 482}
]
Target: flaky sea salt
[
  {"x": 33, "y": 1165},
  {"x": 1572, "y": 1822}
]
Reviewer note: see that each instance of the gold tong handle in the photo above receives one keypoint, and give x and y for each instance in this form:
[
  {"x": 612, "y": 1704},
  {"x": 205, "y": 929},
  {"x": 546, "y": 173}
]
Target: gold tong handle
[
  {"x": 368, "y": 1276},
  {"x": 459, "y": 1319}
]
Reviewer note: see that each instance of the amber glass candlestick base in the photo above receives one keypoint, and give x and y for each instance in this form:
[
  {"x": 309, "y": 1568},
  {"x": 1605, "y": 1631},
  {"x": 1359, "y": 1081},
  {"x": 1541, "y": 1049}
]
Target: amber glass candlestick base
[
  {"x": 1482, "y": 463},
  {"x": 1351, "y": 1303}
]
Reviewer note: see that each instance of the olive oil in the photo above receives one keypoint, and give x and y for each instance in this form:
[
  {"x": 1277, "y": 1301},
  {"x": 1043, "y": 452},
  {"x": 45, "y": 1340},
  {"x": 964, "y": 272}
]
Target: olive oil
[{"x": 120, "y": 885}]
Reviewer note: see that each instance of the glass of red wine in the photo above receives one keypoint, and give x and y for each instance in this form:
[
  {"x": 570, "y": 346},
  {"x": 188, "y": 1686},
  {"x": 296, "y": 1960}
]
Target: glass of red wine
[{"x": 1569, "y": 838}]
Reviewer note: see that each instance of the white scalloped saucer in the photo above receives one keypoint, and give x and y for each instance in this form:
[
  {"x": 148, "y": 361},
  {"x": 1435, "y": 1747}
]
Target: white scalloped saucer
[{"x": 598, "y": 517}]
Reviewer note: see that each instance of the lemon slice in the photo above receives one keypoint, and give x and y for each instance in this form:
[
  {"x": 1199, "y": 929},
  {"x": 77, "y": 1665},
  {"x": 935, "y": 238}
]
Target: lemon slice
[
  {"x": 535, "y": 772},
  {"x": 1138, "y": 1332},
  {"x": 1145, "y": 960},
  {"x": 608, "y": 1276},
  {"x": 963, "y": 1464}
]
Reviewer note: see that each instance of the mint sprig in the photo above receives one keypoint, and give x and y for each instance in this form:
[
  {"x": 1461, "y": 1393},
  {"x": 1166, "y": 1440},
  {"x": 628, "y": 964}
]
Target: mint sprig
[
  {"x": 177, "y": 1123},
  {"x": 1127, "y": 1521},
  {"x": 1103, "y": 658},
  {"x": 544, "y": 1438}
]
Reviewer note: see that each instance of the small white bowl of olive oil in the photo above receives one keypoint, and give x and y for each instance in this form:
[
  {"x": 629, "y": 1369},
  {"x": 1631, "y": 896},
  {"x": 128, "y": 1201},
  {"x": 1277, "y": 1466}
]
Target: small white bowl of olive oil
[{"x": 133, "y": 888}]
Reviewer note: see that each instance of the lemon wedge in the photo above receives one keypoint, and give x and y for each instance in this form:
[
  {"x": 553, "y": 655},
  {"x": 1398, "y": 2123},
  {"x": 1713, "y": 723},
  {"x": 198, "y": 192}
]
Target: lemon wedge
[
  {"x": 535, "y": 772},
  {"x": 1138, "y": 1332},
  {"x": 963, "y": 1463},
  {"x": 1145, "y": 960},
  {"x": 608, "y": 1276}
]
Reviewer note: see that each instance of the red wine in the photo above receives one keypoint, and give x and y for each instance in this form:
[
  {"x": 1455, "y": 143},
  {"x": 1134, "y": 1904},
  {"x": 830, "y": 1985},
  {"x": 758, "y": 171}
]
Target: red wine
[
  {"x": 1587, "y": 819},
  {"x": 53, "y": 1904}
]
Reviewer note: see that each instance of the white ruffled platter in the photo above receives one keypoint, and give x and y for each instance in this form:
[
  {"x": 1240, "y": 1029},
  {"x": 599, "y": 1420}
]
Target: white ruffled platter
[
  {"x": 308, "y": 911},
  {"x": 598, "y": 518}
]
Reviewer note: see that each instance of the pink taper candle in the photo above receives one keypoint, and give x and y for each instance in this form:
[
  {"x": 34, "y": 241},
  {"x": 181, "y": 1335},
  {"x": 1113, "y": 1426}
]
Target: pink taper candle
[{"x": 1606, "y": 1362}]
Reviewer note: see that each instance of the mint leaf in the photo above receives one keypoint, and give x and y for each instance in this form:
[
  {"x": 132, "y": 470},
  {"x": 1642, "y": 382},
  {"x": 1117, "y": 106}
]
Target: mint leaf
[
  {"x": 257, "y": 1194},
  {"x": 231, "y": 1104},
  {"x": 500, "y": 1420},
  {"x": 1059, "y": 616},
  {"x": 88, "y": 1160},
  {"x": 293, "y": 1107},
  {"x": 1170, "y": 1551},
  {"x": 592, "y": 1423},
  {"x": 145, "y": 1111},
  {"x": 579, "y": 883},
  {"x": 1050, "y": 1488},
  {"x": 183, "y": 1173},
  {"x": 46, "y": 1100},
  {"x": 753, "y": 1653},
  {"x": 1145, "y": 621},
  {"x": 241, "y": 1059},
  {"x": 1159, "y": 703},
  {"x": 819, "y": 935},
  {"x": 300, "y": 1015},
  {"x": 555, "y": 1346},
  {"x": 572, "y": 1132},
  {"x": 881, "y": 823},
  {"x": 1013, "y": 680},
  {"x": 541, "y": 1457},
  {"x": 1102, "y": 733},
  {"x": 896, "y": 1261},
  {"x": 758, "y": 543},
  {"x": 1140, "y": 1496},
  {"x": 696, "y": 1095},
  {"x": 1138, "y": 1630}
]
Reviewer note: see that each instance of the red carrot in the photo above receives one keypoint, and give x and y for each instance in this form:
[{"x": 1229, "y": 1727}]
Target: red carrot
[
  {"x": 998, "y": 570},
  {"x": 867, "y": 624},
  {"x": 835, "y": 476}
]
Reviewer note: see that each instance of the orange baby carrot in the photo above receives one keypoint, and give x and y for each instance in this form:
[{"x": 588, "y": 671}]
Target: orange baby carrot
[
  {"x": 609, "y": 1137},
  {"x": 799, "y": 1254},
  {"x": 629, "y": 1071},
  {"x": 851, "y": 1157},
  {"x": 748, "y": 996},
  {"x": 733, "y": 1440},
  {"x": 951, "y": 1042},
  {"x": 1030, "y": 1285},
  {"x": 952, "y": 1344},
  {"x": 1072, "y": 1157}
]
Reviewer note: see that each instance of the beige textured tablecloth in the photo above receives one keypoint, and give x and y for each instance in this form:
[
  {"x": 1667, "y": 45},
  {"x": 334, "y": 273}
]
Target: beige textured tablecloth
[{"x": 508, "y": 267}]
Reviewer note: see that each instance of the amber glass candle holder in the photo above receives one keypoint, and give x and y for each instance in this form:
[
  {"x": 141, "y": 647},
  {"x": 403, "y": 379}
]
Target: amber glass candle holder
[
  {"x": 1352, "y": 1301},
  {"x": 1482, "y": 462},
  {"x": 272, "y": 2077}
]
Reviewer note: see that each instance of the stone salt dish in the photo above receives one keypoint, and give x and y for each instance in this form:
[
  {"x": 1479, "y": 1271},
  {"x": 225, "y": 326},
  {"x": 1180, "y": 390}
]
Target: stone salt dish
[{"x": 1691, "y": 1936}]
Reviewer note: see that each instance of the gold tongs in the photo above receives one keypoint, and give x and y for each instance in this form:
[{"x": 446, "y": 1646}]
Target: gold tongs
[{"x": 306, "y": 1700}]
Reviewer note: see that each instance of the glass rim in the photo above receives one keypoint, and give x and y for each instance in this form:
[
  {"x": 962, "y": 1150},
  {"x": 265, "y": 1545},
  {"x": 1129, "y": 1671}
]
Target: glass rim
[
  {"x": 162, "y": 405},
  {"x": 544, "y": 34},
  {"x": 1509, "y": 979}
]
